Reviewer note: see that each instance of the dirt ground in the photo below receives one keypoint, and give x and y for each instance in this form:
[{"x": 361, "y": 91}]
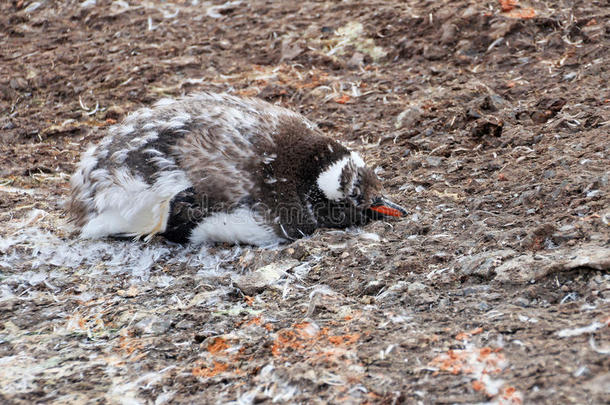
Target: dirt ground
[{"x": 488, "y": 120}]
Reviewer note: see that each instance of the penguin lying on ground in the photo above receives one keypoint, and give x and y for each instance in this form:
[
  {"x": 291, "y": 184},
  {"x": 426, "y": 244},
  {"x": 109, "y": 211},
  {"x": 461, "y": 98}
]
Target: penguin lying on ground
[{"x": 218, "y": 168}]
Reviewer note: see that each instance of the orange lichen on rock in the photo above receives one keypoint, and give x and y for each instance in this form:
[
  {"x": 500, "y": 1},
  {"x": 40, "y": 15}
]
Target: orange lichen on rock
[
  {"x": 452, "y": 361},
  {"x": 510, "y": 395},
  {"x": 462, "y": 336},
  {"x": 344, "y": 339},
  {"x": 218, "y": 345},
  {"x": 466, "y": 335},
  {"x": 343, "y": 99},
  {"x": 216, "y": 369},
  {"x": 307, "y": 337},
  {"x": 316, "y": 79},
  {"x": 512, "y": 9},
  {"x": 129, "y": 345},
  {"x": 478, "y": 385},
  {"x": 480, "y": 364},
  {"x": 249, "y": 92},
  {"x": 507, "y": 5},
  {"x": 285, "y": 339},
  {"x": 522, "y": 13},
  {"x": 254, "y": 321}
]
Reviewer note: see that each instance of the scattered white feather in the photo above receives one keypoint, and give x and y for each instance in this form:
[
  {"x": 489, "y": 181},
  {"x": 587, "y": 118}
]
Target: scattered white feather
[
  {"x": 165, "y": 397},
  {"x": 370, "y": 236},
  {"x": 32, "y": 7},
  {"x": 579, "y": 331},
  {"x": 214, "y": 11},
  {"x": 88, "y": 3},
  {"x": 597, "y": 349}
]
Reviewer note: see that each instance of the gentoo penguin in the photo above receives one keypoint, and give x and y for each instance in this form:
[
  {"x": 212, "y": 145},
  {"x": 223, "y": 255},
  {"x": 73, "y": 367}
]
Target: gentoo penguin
[{"x": 219, "y": 168}]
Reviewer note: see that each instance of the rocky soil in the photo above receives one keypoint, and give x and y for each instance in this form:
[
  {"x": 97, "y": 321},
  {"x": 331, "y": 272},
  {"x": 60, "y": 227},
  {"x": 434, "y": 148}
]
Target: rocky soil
[{"x": 488, "y": 120}]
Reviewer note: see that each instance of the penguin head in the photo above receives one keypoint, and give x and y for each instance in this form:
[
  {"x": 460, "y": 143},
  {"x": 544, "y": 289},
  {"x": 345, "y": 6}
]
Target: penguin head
[{"x": 351, "y": 194}]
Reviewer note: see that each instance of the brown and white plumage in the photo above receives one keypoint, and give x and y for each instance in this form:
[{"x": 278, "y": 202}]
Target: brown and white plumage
[{"x": 214, "y": 167}]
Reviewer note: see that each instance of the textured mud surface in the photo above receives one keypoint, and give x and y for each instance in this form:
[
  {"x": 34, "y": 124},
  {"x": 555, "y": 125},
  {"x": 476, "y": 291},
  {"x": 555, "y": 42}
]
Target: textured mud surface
[{"x": 489, "y": 120}]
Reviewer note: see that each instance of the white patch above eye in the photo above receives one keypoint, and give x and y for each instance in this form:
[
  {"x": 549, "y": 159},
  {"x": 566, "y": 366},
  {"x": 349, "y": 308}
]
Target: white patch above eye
[{"x": 329, "y": 180}]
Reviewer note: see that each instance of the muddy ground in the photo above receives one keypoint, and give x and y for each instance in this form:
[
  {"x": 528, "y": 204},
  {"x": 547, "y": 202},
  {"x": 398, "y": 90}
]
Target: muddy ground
[{"x": 488, "y": 120}]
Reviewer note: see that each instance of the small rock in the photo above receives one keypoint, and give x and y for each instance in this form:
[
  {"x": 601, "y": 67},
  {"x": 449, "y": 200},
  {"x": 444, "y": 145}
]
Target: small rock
[
  {"x": 18, "y": 83},
  {"x": 535, "y": 238},
  {"x": 185, "y": 324},
  {"x": 131, "y": 292},
  {"x": 566, "y": 233},
  {"x": 8, "y": 305},
  {"x": 114, "y": 112},
  {"x": 483, "y": 306},
  {"x": 393, "y": 292},
  {"x": 473, "y": 114},
  {"x": 487, "y": 127},
  {"x": 569, "y": 76},
  {"x": 483, "y": 264},
  {"x": 494, "y": 296},
  {"x": 416, "y": 286},
  {"x": 413, "y": 163},
  {"x": 408, "y": 118},
  {"x": 444, "y": 302},
  {"x": 273, "y": 91},
  {"x": 471, "y": 11},
  {"x": 224, "y": 44},
  {"x": 548, "y": 174},
  {"x": 522, "y": 302},
  {"x": 434, "y": 161},
  {"x": 593, "y": 194},
  {"x": 425, "y": 297},
  {"x": 373, "y": 287},
  {"x": 9, "y": 125},
  {"x": 153, "y": 325},
  {"x": 290, "y": 49},
  {"x": 448, "y": 34},
  {"x": 494, "y": 102},
  {"x": 367, "y": 300},
  {"x": 599, "y": 384},
  {"x": 546, "y": 109},
  {"x": 356, "y": 60},
  {"x": 526, "y": 268},
  {"x": 475, "y": 289},
  {"x": 432, "y": 52}
]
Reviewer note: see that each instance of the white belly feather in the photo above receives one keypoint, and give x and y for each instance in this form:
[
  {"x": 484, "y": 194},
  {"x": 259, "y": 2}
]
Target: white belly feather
[
  {"x": 126, "y": 205},
  {"x": 240, "y": 226}
]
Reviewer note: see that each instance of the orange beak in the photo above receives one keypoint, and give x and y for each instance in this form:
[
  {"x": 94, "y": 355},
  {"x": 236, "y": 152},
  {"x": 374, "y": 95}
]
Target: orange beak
[
  {"x": 385, "y": 207},
  {"x": 382, "y": 209}
]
